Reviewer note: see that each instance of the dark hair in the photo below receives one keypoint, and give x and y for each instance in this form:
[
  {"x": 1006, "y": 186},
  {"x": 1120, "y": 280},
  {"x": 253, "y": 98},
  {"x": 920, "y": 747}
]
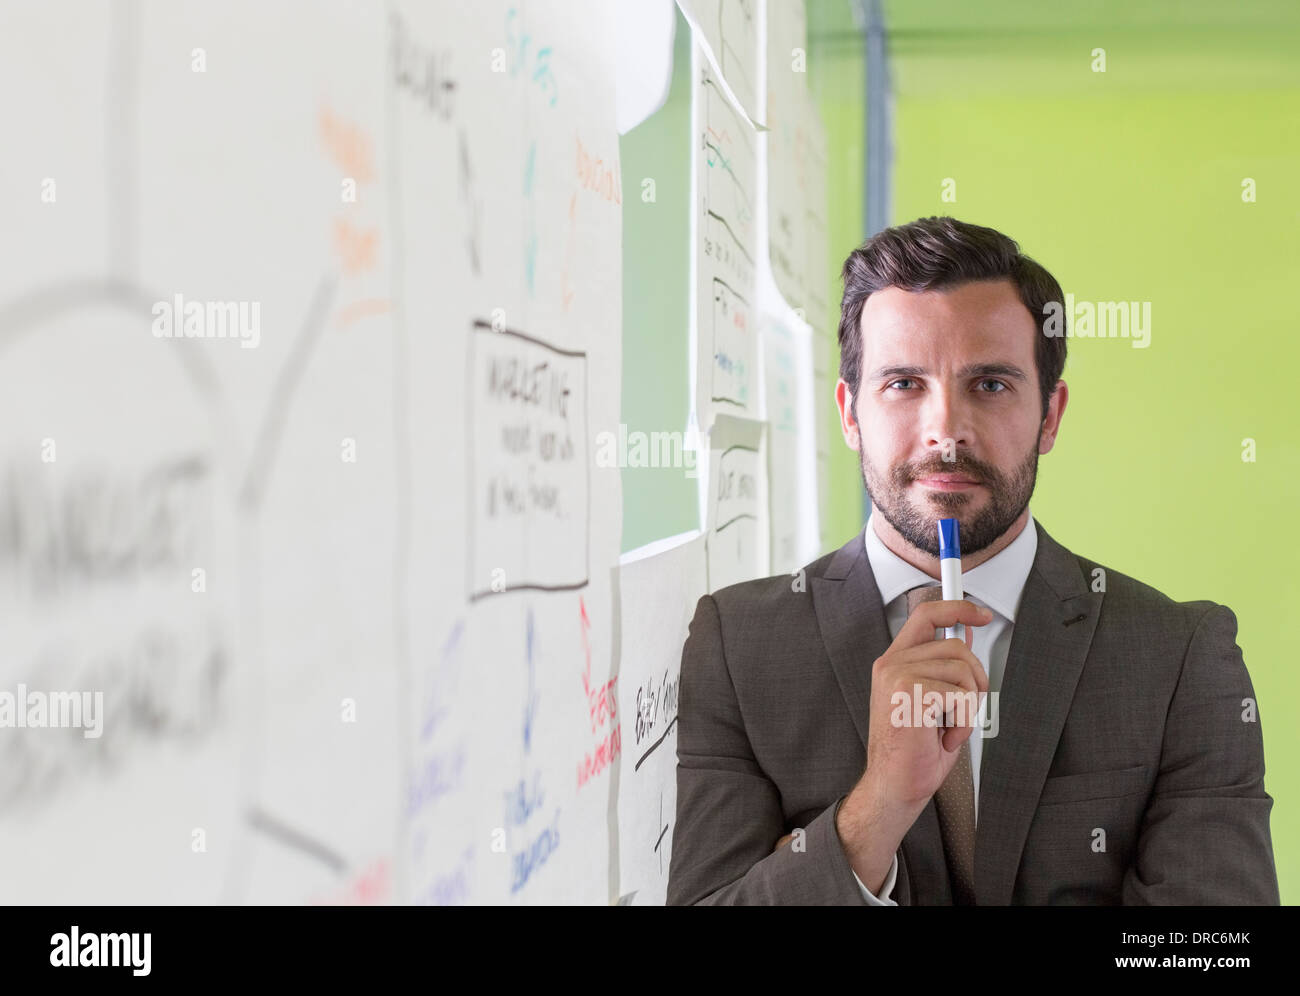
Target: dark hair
[{"x": 935, "y": 253}]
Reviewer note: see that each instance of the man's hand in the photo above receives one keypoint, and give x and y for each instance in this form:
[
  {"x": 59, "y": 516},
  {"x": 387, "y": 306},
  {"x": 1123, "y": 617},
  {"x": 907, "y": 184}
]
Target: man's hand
[{"x": 906, "y": 764}]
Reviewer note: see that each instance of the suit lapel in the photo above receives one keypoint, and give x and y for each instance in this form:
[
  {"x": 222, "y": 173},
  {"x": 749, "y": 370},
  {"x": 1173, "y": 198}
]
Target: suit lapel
[
  {"x": 853, "y": 625},
  {"x": 1049, "y": 644}
]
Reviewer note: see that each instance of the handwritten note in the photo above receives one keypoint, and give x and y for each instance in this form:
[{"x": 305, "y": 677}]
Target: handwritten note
[
  {"x": 528, "y": 463},
  {"x": 737, "y": 511},
  {"x": 787, "y": 345},
  {"x": 658, "y": 591},
  {"x": 726, "y": 228},
  {"x": 730, "y": 30}
]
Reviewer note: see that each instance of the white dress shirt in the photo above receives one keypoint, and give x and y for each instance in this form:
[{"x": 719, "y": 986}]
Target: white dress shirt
[{"x": 996, "y": 584}]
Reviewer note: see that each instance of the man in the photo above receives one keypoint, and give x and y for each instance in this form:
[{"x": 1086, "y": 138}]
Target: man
[{"x": 1124, "y": 760}]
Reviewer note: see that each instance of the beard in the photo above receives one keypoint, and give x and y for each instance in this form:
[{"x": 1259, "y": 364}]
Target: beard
[{"x": 915, "y": 518}]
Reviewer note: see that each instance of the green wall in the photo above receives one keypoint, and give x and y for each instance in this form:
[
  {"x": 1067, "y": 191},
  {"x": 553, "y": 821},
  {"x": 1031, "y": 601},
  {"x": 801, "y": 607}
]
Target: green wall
[
  {"x": 837, "y": 79},
  {"x": 658, "y": 501},
  {"x": 1127, "y": 186}
]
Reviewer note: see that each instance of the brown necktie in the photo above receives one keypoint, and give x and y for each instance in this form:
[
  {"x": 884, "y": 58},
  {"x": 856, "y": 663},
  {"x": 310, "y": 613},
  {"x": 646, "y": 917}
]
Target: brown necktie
[{"x": 955, "y": 800}]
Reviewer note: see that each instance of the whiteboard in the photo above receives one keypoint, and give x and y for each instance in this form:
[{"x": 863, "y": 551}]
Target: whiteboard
[
  {"x": 309, "y": 571},
  {"x": 335, "y": 556}
]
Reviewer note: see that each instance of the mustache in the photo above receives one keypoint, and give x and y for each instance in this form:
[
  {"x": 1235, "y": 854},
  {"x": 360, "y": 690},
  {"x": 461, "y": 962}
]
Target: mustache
[{"x": 965, "y": 470}]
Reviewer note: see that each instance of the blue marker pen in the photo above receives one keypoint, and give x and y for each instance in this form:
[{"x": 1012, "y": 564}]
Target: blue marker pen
[{"x": 950, "y": 571}]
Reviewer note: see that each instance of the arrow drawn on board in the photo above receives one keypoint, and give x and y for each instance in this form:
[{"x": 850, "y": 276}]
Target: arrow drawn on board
[
  {"x": 565, "y": 292},
  {"x": 288, "y": 378},
  {"x": 530, "y": 701},
  {"x": 586, "y": 646},
  {"x": 660, "y": 839},
  {"x": 434, "y": 710},
  {"x": 473, "y": 204}
]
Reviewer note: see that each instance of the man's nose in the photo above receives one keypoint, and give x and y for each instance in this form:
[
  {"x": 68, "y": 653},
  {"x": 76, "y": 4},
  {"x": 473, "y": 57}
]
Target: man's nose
[{"x": 945, "y": 420}]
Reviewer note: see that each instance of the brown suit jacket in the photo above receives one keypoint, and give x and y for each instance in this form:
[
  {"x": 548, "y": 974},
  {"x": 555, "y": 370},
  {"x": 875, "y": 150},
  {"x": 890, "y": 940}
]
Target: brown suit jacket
[{"x": 1120, "y": 710}]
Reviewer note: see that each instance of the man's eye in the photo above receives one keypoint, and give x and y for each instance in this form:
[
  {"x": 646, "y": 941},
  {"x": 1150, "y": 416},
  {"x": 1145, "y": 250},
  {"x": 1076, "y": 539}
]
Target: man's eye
[{"x": 999, "y": 386}]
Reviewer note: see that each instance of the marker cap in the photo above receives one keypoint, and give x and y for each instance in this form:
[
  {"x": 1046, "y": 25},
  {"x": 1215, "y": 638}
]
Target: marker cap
[{"x": 949, "y": 543}]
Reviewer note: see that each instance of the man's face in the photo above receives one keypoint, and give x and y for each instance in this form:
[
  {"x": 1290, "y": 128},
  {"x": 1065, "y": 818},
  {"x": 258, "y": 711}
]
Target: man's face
[{"x": 947, "y": 417}]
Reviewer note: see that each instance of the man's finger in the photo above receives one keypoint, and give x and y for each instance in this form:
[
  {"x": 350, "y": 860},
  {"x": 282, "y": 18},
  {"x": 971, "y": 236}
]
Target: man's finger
[{"x": 929, "y": 616}]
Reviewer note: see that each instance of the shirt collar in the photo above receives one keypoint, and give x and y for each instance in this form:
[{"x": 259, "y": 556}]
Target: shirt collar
[{"x": 997, "y": 583}]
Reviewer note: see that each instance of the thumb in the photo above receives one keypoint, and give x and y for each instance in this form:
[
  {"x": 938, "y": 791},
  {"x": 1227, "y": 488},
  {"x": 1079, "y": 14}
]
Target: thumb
[{"x": 954, "y": 736}]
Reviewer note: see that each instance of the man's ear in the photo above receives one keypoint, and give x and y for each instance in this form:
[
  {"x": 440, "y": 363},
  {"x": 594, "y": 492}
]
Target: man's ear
[
  {"x": 848, "y": 421},
  {"x": 1052, "y": 422}
]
